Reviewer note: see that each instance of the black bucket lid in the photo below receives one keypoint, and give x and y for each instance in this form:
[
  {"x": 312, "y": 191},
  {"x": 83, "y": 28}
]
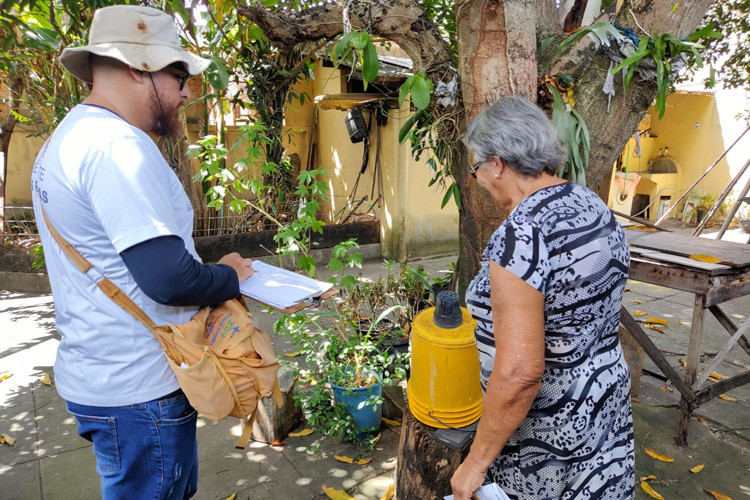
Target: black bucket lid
[{"x": 447, "y": 311}]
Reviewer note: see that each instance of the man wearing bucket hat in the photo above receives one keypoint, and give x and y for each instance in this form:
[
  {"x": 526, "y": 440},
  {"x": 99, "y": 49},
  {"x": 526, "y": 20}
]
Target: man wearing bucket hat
[{"x": 105, "y": 187}]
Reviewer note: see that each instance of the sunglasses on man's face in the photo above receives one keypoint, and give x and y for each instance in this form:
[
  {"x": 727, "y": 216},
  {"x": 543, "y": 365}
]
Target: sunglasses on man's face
[{"x": 180, "y": 74}]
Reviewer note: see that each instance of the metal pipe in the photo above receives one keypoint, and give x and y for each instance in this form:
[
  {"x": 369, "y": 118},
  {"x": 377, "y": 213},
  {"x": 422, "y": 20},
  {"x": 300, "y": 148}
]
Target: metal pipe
[
  {"x": 721, "y": 199},
  {"x": 733, "y": 211},
  {"x": 687, "y": 191}
]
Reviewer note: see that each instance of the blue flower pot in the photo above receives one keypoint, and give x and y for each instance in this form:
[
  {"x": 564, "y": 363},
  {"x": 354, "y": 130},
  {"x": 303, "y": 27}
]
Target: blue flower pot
[{"x": 367, "y": 416}]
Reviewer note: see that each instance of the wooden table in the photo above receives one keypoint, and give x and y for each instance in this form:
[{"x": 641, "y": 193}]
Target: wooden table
[{"x": 662, "y": 258}]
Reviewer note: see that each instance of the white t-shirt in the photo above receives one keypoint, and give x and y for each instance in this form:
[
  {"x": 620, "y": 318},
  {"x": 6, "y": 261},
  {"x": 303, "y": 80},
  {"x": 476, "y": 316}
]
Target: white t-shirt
[{"x": 106, "y": 187}]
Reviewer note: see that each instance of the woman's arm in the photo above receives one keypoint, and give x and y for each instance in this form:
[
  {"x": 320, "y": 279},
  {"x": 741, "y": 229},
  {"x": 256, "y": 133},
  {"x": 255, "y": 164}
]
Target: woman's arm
[{"x": 518, "y": 321}]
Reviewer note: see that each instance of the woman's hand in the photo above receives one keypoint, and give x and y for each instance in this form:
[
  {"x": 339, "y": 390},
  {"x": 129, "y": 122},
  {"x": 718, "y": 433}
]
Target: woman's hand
[
  {"x": 467, "y": 479},
  {"x": 243, "y": 267}
]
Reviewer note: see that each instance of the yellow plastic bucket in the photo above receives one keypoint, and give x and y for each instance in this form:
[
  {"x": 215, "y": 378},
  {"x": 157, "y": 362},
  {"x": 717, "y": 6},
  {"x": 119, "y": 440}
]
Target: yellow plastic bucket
[{"x": 444, "y": 389}]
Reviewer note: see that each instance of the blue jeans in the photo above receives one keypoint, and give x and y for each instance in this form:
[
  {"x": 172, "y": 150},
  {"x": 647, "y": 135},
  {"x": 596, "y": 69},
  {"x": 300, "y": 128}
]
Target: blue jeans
[{"x": 143, "y": 451}]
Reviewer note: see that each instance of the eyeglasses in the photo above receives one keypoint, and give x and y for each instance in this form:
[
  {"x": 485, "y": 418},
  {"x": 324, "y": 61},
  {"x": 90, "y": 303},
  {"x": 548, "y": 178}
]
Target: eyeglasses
[
  {"x": 473, "y": 169},
  {"x": 182, "y": 78}
]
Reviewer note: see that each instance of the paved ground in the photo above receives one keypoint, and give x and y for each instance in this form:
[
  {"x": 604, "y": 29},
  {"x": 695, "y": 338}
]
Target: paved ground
[{"x": 49, "y": 460}]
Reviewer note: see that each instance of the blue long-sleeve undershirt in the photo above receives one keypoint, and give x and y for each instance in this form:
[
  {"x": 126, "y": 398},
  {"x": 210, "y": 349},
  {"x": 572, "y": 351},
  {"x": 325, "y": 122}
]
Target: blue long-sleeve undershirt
[{"x": 167, "y": 273}]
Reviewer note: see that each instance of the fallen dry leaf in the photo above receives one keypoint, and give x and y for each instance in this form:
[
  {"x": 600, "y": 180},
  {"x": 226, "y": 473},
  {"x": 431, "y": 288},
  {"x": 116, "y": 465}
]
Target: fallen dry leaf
[
  {"x": 292, "y": 354},
  {"x": 682, "y": 362},
  {"x": 6, "y": 439},
  {"x": 5, "y": 375},
  {"x": 718, "y": 376},
  {"x": 388, "y": 493},
  {"x": 728, "y": 398},
  {"x": 648, "y": 489},
  {"x": 658, "y": 321},
  {"x": 697, "y": 468},
  {"x": 335, "y": 494},
  {"x": 232, "y": 496},
  {"x": 640, "y": 313},
  {"x": 666, "y": 389},
  {"x": 639, "y": 302},
  {"x": 701, "y": 257},
  {"x": 648, "y": 478},
  {"x": 712, "y": 379},
  {"x": 350, "y": 460},
  {"x": 702, "y": 420},
  {"x": 393, "y": 423},
  {"x": 45, "y": 379},
  {"x": 651, "y": 453},
  {"x": 303, "y": 432},
  {"x": 717, "y": 495},
  {"x": 654, "y": 327}
]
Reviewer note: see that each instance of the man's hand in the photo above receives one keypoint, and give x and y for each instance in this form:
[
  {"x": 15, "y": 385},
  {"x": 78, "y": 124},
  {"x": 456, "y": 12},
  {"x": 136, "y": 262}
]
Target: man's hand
[
  {"x": 466, "y": 480},
  {"x": 243, "y": 267}
]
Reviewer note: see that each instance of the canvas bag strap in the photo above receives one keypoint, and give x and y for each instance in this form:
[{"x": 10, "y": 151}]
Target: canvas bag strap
[{"x": 105, "y": 285}]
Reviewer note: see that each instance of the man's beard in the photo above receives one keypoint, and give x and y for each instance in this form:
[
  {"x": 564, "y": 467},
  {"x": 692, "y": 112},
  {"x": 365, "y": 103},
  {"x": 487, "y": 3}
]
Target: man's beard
[{"x": 166, "y": 124}]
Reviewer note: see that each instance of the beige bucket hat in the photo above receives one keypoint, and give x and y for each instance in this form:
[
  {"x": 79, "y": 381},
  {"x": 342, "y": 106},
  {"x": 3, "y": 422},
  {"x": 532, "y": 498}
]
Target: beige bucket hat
[{"x": 141, "y": 37}]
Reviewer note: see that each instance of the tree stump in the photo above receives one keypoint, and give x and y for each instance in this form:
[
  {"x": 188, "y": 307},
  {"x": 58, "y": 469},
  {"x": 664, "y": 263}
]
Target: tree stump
[
  {"x": 273, "y": 423},
  {"x": 425, "y": 465}
]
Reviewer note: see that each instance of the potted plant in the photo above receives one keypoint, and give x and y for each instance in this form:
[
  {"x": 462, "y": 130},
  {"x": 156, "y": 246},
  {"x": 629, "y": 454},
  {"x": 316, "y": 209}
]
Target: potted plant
[
  {"x": 410, "y": 290},
  {"x": 344, "y": 373},
  {"x": 698, "y": 203},
  {"x": 743, "y": 215}
]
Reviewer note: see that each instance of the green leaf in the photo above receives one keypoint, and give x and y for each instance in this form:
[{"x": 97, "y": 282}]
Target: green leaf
[
  {"x": 348, "y": 282},
  {"x": 335, "y": 264},
  {"x": 403, "y": 133},
  {"x": 565, "y": 78},
  {"x": 405, "y": 88},
  {"x": 420, "y": 92},
  {"x": 217, "y": 74},
  {"x": 254, "y": 32},
  {"x": 602, "y": 29},
  {"x": 360, "y": 39},
  {"x": 599, "y": 29},
  {"x": 446, "y": 197},
  {"x": 370, "y": 63},
  {"x": 342, "y": 45},
  {"x": 712, "y": 77},
  {"x": 634, "y": 58},
  {"x": 707, "y": 31}
]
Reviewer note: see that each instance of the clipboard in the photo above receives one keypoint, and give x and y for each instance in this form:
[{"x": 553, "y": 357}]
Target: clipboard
[
  {"x": 284, "y": 290},
  {"x": 314, "y": 302}
]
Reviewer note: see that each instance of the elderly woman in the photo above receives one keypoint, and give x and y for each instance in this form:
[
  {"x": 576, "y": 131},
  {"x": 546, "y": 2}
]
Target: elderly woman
[{"x": 557, "y": 420}]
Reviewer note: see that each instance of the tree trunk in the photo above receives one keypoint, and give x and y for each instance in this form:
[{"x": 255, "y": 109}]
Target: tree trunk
[
  {"x": 424, "y": 465},
  {"x": 496, "y": 57},
  {"x": 8, "y": 125}
]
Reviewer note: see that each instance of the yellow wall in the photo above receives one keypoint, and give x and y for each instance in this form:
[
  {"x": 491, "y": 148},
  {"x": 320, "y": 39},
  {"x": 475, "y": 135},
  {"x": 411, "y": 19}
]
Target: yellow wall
[
  {"x": 412, "y": 222},
  {"x": 22, "y": 152},
  {"x": 691, "y": 130}
]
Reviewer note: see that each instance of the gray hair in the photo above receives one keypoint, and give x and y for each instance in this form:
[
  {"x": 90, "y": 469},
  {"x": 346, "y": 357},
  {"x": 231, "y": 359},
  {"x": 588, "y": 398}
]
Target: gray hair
[{"x": 518, "y": 132}]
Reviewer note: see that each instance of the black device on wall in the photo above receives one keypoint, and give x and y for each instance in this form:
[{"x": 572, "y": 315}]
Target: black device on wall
[{"x": 355, "y": 125}]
